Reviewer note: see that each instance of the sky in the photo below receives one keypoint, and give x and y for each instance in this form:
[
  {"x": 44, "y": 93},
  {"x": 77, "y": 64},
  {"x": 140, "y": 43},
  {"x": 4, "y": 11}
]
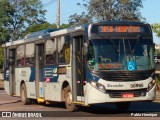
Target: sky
[{"x": 150, "y": 11}]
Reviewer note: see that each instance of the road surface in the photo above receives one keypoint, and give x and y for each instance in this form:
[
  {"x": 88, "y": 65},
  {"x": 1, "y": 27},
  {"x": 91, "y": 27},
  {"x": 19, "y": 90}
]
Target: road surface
[{"x": 57, "y": 110}]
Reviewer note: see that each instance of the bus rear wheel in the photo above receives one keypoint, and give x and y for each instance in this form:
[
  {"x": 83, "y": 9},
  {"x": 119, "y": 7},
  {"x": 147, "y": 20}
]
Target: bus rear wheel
[
  {"x": 68, "y": 100},
  {"x": 24, "y": 98},
  {"x": 122, "y": 106}
]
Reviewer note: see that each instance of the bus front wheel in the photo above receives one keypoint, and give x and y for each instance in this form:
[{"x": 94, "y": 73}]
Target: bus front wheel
[
  {"x": 68, "y": 100},
  {"x": 24, "y": 98},
  {"x": 122, "y": 106}
]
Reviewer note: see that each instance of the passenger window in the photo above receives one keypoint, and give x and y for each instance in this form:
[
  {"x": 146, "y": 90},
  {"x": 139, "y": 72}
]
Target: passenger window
[
  {"x": 64, "y": 49},
  {"x": 50, "y": 52},
  {"x": 30, "y": 54},
  {"x": 20, "y": 55}
]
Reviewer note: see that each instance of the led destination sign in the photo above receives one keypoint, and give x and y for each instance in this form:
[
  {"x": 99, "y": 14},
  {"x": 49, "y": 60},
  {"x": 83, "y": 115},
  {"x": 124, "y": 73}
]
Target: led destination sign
[{"x": 121, "y": 29}]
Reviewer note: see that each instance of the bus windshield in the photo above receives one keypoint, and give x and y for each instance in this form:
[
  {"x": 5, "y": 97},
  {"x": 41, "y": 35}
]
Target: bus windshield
[{"x": 120, "y": 54}]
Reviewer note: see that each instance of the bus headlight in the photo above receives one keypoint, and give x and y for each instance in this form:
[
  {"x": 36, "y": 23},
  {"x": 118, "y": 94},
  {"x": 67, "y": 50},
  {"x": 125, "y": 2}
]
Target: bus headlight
[
  {"x": 151, "y": 84},
  {"x": 98, "y": 86}
]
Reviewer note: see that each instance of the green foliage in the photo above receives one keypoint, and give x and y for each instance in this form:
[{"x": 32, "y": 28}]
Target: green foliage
[
  {"x": 65, "y": 25},
  {"x": 17, "y": 15},
  {"x": 3, "y": 35},
  {"x": 100, "y": 10},
  {"x": 38, "y": 27},
  {"x": 156, "y": 28},
  {"x": 5, "y": 10},
  {"x": 79, "y": 19}
]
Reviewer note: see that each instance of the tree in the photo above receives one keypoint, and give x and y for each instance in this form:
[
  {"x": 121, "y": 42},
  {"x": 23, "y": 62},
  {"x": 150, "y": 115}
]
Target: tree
[
  {"x": 79, "y": 19},
  {"x": 5, "y": 10},
  {"x": 20, "y": 15},
  {"x": 113, "y": 9},
  {"x": 3, "y": 35},
  {"x": 38, "y": 27},
  {"x": 156, "y": 28},
  {"x": 128, "y": 10},
  {"x": 64, "y": 25}
]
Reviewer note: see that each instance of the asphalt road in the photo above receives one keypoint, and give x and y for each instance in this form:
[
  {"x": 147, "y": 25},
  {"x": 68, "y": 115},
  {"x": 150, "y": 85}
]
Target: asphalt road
[{"x": 101, "y": 111}]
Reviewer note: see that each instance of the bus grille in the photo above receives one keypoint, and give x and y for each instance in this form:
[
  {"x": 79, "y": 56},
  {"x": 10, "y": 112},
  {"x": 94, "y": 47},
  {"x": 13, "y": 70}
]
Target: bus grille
[
  {"x": 122, "y": 76},
  {"x": 119, "y": 93}
]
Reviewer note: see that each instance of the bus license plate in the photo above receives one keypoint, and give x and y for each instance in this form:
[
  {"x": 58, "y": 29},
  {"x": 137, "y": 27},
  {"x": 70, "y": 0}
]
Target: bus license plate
[{"x": 128, "y": 95}]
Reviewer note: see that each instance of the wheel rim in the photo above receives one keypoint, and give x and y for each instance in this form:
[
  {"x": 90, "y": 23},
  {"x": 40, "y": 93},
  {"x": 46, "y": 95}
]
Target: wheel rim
[
  {"x": 22, "y": 95},
  {"x": 69, "y": 98}
]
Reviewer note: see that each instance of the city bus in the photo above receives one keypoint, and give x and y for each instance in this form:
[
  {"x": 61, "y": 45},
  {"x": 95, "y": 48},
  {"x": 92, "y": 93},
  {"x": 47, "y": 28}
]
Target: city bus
[{"x": 97, "y": 63}]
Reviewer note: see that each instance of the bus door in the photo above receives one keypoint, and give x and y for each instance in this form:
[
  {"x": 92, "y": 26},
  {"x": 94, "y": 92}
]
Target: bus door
[
  {"x": 78, "y": 68},
  {"x": 39, "y": 70},
  {"x": 12, "y": 64}
]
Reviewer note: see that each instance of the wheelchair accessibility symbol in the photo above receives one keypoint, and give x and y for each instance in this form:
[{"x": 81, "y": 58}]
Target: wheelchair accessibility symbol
[{"x": 131, "y": 66}]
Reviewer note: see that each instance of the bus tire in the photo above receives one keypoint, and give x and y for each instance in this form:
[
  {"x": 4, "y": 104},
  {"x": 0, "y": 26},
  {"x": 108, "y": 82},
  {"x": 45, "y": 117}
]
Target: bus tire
[
  {"x": 122, "y": 106},
  {"x": 24, "y": 98},
  {"x": 68, "y": 100}
]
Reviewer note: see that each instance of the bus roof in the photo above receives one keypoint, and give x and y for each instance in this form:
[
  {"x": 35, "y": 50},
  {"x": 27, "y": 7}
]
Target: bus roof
[
  {"x": 43, "y": 34},
  {"x": 48, "y": 33},
  {"x": 73, "y": 29}
]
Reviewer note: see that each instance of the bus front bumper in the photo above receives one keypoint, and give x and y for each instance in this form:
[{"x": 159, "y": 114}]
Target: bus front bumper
[{"x": 95, "y": 96}]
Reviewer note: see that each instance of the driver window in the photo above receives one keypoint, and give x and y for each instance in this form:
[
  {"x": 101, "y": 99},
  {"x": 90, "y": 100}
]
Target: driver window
[
  {"x": 20, "y": 55},
  {"x": 90, "y": 56}
]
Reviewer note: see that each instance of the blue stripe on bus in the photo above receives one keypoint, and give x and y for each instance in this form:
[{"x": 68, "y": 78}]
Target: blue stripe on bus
[
  {"x": 6, "y": 75},
  {"x": 41, "y": 75},
  {"x": 46, "y": 72},
  {"x": 32, "y": 76},
  {"x": 50, "y": 72}
]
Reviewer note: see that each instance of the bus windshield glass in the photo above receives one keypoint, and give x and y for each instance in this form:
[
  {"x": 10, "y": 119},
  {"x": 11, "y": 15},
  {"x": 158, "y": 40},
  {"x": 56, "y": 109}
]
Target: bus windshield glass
[{"x": 120, "y": 54}]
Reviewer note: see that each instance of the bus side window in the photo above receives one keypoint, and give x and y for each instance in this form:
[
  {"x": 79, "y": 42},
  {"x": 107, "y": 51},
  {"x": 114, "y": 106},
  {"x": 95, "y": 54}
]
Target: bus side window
[
  {"x": 50, "y": 52},
  {"x": 30, "y": 54},
  {"x": 64, "y": 49},
  {"x": 90, "y": 55},
  {"x": 20, "y": 55}
]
